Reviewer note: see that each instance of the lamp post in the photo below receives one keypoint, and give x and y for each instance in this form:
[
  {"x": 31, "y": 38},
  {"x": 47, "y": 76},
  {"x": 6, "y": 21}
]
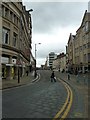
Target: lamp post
[
  {"x": 19, "y": 63},
  {"x": 30, "y": 10},
  {"x": 35, "y": 60}
]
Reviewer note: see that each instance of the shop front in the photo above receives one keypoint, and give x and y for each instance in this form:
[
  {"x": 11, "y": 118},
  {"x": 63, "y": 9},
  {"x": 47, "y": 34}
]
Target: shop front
[{"x": 3, "y": 71}]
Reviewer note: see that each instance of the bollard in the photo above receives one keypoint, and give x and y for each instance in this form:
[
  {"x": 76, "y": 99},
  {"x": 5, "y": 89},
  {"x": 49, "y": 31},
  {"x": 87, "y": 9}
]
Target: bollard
[
  {"x": 35, "y": 74},
  {"x": 84, "y": 79},
  {"x": 77, "y": 79}
]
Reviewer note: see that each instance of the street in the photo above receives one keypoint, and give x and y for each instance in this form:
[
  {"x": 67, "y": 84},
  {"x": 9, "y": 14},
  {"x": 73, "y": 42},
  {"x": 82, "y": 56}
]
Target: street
[
  {"x": 45, "y": 60},
  {"x": 42, "y": 99}
]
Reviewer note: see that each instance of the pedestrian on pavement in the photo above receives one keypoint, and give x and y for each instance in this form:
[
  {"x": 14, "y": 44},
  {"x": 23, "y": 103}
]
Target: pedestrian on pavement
[
  {"x": 68, "y": 76},
  {"x": 27, "y": 72},
  {"x": 53, "y": 78}
]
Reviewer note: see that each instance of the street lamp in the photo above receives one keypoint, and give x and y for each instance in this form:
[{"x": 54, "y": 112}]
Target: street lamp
[
  {"x": 30, "y": 10},
  {"x": 35, "y": 59}
]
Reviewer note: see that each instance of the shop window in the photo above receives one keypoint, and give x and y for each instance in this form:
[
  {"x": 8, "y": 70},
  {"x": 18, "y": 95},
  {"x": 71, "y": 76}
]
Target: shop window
[{"x": 5, "y": 36}]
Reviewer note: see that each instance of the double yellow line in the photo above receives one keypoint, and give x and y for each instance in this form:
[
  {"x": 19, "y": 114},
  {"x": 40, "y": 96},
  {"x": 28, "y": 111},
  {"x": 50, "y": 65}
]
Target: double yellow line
[{"x": 66, "y": 107}]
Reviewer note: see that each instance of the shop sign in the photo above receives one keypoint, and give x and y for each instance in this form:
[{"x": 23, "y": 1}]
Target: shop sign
[
  {"x": 4, "y": 60},
  {"x": 14, "y": 61},
  {"x": 18, "y": 62},
  {"x": 23, "y": 64},
  {"x": 9, "y": 65}
]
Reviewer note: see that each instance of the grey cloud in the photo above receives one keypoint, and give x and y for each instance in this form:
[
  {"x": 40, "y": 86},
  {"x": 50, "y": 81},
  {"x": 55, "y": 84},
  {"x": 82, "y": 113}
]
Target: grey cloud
[
  {"x": 48, "y": 15},
  {"x": 46, "y": 49}
]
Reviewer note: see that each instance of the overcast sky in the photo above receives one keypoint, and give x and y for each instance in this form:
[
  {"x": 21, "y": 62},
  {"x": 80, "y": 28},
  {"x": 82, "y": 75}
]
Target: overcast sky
[{"x": 52, "y": 22}]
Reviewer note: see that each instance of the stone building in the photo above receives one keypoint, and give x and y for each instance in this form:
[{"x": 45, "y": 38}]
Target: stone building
[
  {"x": 78, "y": 48},
  {"x": 16, "y": 40},
  {"x": 60, "y": 62},
  {"x": 70, "y": 53},
  {"x": 56, "y": 63}
]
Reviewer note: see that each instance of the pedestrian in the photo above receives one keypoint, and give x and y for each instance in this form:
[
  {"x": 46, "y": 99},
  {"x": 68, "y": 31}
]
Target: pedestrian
[
  {"x": 68, "y": 76},
  {"x": 53, "y": 78},
  {"x": 27, "y": 72}
]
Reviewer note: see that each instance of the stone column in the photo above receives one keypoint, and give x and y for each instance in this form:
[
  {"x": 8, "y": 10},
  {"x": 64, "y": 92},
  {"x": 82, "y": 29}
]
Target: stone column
[
  {"x": 9, "y": 69},
  {"x": 16, "y": 72}
]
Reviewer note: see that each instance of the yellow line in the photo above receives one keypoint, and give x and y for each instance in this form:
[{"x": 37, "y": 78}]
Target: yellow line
[
  {"x": 69, "y": 91},
  {"x": 69, "y": 106},
  {"x": 62, "y": 109}
]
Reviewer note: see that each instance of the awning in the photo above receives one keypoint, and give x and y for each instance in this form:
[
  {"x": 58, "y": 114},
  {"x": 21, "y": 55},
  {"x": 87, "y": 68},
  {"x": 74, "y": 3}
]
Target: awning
[{"x": 9, "y": 64}]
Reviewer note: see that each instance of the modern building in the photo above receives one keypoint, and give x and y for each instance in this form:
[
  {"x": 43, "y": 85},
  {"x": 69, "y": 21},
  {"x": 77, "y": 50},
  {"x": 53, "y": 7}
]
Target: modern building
[
  {"x": 16, "y": 40},
  {"x": 78, "y": 48},
  {"x": 52, "y": 56}
]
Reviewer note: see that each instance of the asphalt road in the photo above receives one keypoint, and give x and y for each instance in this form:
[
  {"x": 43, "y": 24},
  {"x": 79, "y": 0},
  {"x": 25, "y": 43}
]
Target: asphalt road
[{"x": 42, "y": 99}]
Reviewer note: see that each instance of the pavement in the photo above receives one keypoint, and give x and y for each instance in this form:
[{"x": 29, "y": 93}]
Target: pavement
[
  {"x": 14, "y": 82},
  {"x": 80, "y": 79},
  {"x": 81, "y": 83}
]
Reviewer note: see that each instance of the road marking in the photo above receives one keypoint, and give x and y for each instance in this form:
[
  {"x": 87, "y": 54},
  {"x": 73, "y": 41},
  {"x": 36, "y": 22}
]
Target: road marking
[
  {"x": 69, "y": 105},
  {"x": 58, "y": 114},
  {"x": 66, "y": 107},
  {"x": 36, "y": 79}
]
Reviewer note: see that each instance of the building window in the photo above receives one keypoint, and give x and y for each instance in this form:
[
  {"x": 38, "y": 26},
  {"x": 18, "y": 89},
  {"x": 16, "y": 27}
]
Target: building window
[
  {"x": 80, "y": 48},
  {"x": 85, "y": 57},
  {"x": 20, "y": 44},
  {"x": 88, "y": 45},
  {"x": 86, "y": 26},
  {"x": 84, "y": 37},
  {"x": 14, "y": 39},
  {"x": 5, "y": 36},
  {"x": 84, "y": 29},
  {"x": 6, "y": 13},
  {"x": 11, "y": 16},
  {"x": 84, "y": 46},
  {"x": 3, "y": 11},
  {"x": 15, "y": 19}
]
